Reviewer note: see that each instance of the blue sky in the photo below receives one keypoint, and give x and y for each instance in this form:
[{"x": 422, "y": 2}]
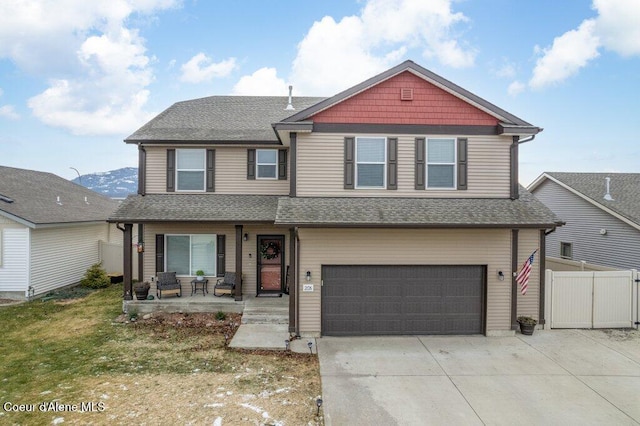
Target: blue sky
[{"x": 77, "y": 77}]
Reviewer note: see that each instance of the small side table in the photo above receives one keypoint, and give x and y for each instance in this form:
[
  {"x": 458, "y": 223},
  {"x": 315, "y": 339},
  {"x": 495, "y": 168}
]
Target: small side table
[{"x": 195, "y": 283}]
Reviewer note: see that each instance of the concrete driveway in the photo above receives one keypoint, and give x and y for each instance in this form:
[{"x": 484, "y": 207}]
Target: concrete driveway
[{"x": 570, "y": 377}]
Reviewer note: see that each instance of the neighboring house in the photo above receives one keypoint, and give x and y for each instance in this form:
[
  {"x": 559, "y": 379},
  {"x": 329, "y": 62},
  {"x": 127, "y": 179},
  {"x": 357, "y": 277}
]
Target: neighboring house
[
  {"x": 390, "y": 208},
  {"x": 49, "y": 231},
  {"x": 602, "y": 215}
]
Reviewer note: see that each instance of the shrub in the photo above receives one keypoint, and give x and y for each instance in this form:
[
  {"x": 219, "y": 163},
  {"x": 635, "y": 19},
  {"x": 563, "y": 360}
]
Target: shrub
[
  {"x": 220, "y": 316},
  {"x": 96, "y": 277}
]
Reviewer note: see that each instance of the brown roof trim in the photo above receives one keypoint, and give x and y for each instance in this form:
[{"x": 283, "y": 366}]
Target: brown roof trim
[
  {"x": 505, "y": 128},
  {"x": 411, "y": 129},
  {"x": 226, "y": 222},
  {"x": 298, "y": 126},
  {"x": 421, "y": 226},
  {"x": 417, "y": 69}
]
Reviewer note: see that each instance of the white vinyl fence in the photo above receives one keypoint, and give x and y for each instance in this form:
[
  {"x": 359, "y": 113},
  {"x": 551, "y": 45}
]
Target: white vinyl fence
[
  {"x": 112, "y": 258},
  {"x": 591, "y": 299}
]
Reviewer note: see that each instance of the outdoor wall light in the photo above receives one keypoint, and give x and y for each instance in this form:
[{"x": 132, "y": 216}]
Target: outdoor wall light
[
  {"x": 500, "y": 275},
  {"x": 246, "y": 237},
  {"x": 308, "y": 275},
  {"x": 319, "y": 404}
]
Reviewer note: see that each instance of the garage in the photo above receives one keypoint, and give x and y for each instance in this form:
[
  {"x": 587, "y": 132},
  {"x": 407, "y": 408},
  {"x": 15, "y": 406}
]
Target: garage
[{"x": 403, "y": 299}]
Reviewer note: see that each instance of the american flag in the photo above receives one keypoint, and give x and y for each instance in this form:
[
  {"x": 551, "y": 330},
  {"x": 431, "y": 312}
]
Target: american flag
[{"x": 523, "y": 276}]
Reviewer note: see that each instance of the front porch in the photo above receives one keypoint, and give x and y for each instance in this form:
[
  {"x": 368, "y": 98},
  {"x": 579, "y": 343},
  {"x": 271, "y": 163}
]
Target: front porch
[{"x": 274, "y": 310}]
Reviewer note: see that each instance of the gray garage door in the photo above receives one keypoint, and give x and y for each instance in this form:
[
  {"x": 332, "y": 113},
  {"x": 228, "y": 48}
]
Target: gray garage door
[{"x": 418, "y": 299}]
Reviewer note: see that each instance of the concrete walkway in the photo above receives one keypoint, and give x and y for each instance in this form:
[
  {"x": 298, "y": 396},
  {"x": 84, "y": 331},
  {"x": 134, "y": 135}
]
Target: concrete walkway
[{"x": 588, "y": 377}]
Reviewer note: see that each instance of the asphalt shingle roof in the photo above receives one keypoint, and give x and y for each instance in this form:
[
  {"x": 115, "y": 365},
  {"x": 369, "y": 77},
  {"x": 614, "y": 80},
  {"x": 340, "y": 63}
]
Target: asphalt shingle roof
[
  {"x": 35, "y": 195},
  {"x": 623, "y": 187},
  {"x": 221, "y": 119},
  {"x": 197, "y": 208},
  {"x": 527, "y": 211}
]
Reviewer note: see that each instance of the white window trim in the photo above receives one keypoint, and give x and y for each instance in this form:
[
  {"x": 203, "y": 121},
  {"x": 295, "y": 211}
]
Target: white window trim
[
  {"x": 203, "y": 170},
  {"x": 1, "y": 247},
  {"x": 384, "y": 163},
  {"x": 266, "y": 164},
  {"x": 454, "y": 164},
  {"x": 166, "y": 256}
]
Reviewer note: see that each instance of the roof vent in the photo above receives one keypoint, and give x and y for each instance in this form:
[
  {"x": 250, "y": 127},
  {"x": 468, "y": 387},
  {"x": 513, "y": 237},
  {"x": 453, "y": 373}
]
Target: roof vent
[
  {"x": 406, "y": 94},
  {"x": 290, "y": 104},
  {"x": 6, "y": 199},
  {"x": 86, "y": 201},
  {"x": 608, "y": 196},
  {"x": 58, "y": 202}
]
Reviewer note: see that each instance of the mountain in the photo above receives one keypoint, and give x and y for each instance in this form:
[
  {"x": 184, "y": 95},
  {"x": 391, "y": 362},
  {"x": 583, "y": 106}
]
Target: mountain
[{"x": 115, "y": 183}]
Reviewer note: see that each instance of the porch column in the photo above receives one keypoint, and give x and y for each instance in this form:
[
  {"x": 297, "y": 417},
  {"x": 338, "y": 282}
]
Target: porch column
[
  {"x": 141, "y": 255},
  {"x": 514, "y": 284},
  {"x": 542, "y": 253},
  {"x": 293, "y": 280},
  {"x": 238, "y": 263},
  {"x": 128, "y": 259}
]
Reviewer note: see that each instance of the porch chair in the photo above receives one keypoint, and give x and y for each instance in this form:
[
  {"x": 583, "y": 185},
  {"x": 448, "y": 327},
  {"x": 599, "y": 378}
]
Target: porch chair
[
  {"x": 226, "y": 285},
  {"x": 168, "y": 281}
]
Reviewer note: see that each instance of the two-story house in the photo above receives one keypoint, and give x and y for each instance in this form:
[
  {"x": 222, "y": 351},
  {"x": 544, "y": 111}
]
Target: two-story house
[{"x": 390, "y": 208}]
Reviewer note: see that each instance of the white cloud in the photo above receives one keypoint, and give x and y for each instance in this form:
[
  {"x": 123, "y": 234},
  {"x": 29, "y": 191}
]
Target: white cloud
[
  {"x": 516, "y": 87},
  {"x": 263, "y": 82},
  {"x": 618, "y": 25},
  {"x": 616, "y": 28},
  {"x": 337, "y": 54},
  {"x": 97, "y": 67},
  {"x": 568, "y": 54},
  {"x": 7, "y": 111},
  {"x": 201, "y": 68}
]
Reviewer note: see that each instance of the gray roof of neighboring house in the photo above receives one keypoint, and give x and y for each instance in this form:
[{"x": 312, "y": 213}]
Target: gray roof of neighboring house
[
  {"x": 197, "y": 208},
  {"x": 624, "y": 189},
  {"x": 35, "y": 196},
  {"x": 220, "y": 119},
  {"x": 428, "y": 212},
  {"x": 336, "y": 211}
]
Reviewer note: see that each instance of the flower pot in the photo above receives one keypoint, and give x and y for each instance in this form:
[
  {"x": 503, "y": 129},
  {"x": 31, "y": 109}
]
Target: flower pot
[
  {"x": 141, "y": 293},
  {"x": 527, "y": 329},
  {"x": 200, "y": 278}
]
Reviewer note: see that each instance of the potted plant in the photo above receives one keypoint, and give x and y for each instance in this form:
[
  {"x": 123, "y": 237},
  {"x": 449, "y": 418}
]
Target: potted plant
[
  {"x": 141, "y": 289},
  {"x": 527, "y": 325},
  {"x": 200, "y": 275}
]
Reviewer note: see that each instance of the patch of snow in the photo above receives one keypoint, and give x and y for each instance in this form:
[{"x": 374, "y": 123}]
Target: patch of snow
[
  {"x": 45, "y": 392},
  {"x": 104, "y": 396},
  {"x": 124, "y": 388},
  {"x": 57, "y": 421},
  {"x": 214, "y": 405},
  {"x": 217, "y": 421}
]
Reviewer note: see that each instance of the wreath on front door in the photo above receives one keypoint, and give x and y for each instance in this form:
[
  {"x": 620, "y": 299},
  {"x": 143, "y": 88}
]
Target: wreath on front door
[{"x": 269, "y": 250}]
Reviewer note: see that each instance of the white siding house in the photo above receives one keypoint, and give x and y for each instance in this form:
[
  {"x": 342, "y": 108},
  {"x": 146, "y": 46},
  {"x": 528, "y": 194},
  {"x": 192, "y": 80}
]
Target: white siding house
[{"x": 50, "y": 231}]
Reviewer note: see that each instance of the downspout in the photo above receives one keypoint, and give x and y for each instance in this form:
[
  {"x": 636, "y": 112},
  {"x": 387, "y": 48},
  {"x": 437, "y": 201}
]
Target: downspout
[{"x": 513, "y": 154}]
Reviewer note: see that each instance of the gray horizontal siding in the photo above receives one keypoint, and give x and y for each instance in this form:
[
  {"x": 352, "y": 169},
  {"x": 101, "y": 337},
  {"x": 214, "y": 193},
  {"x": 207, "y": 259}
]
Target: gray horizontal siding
[{"x": 619, "y": 248}]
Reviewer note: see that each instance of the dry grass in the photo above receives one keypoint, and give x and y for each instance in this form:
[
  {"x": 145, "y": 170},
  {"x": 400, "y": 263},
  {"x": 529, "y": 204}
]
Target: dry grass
[{"x": 170, "y": 369}]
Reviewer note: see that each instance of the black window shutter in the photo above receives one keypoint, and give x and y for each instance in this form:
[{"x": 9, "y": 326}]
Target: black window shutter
[
  {"x": 392, "y": 163},
  {"x": 159, "y": 252},
  {"x": 171, "y": 170},
  {"x": 349, "y": 162},
  {"x": 462, "y": 163},
  {"x": 220, "y": 252},
  {"x": 420, "y": 163},
  {"x": 211, "y": 170},
  {"x": 251, "y": 164},
  {"x": 282, "y": 164}
]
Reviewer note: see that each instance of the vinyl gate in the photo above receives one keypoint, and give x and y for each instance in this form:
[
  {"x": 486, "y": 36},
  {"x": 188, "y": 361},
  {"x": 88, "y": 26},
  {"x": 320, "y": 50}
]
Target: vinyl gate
[{"x": 591, "y": 299}]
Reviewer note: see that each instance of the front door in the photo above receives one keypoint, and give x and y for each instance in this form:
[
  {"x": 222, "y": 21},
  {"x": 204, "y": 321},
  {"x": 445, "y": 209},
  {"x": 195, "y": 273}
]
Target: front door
[{"x": 270, "y": 264}]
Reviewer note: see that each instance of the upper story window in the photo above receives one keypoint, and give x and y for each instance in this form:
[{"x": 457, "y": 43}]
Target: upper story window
[
  {"x": 441, "y": 163},
  {"x": 190, "y": 169},
  {"x": 371, "y": 162},
  {"x": 267, "y": 164}
]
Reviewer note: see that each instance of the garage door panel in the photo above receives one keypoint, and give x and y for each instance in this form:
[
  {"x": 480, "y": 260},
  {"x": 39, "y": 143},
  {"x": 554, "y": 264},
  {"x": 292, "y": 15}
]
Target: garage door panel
[{"x": 379, "y": 299}]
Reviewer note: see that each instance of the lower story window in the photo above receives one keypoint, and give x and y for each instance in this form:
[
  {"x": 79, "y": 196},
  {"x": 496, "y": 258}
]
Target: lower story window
[
  {"x": 185, "y": 254},
  {"x": 566, "y": 251}
]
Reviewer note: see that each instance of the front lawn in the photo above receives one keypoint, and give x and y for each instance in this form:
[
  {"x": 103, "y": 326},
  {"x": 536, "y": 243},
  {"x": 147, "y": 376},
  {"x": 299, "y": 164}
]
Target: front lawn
[{"x": 70, "y": 361}]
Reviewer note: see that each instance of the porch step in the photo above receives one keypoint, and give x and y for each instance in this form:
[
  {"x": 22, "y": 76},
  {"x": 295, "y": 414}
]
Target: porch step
[{"x": 266, "y": 311}]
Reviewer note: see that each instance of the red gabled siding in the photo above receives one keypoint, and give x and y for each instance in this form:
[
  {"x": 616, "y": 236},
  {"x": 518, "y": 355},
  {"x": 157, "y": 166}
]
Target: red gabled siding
[{"x": 381, "y": 104}]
